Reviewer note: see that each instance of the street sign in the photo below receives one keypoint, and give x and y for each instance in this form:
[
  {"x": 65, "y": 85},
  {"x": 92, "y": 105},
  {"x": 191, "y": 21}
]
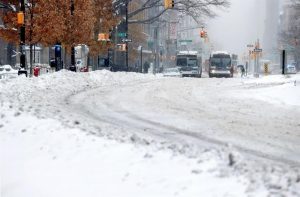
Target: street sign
[
  {"x": 185, "y": 40},
  {"x": 122, "y": 34},
  {"x": 250, "y": 45},
  {"x": 126, "y": 40},
  {"x": 258, "y": 50}
]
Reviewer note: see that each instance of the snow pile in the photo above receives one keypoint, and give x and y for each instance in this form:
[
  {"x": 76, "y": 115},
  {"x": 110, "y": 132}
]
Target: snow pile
[
  {"x": 280, "y": 90},
  {"x": 47, "y": 149},
  {"x": 41, "y": 157}
]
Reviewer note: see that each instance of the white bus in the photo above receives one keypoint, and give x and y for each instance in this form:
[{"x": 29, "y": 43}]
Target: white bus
[
  {"x": 220, "y": 64},
  {"x": 189, "y": 64}
]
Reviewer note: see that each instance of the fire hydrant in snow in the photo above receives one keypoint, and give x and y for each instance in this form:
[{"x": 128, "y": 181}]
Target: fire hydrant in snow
[{"x": 36, "y": 71}]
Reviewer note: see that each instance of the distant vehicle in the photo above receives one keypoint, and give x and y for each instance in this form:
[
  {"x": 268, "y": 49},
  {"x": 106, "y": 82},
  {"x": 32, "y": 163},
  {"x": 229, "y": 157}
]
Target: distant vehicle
[
  {"x": 291, "y": 69},
  {"x": 172, "y": 72},
  {"x": 220, "y": 65},
  {"x": 189, "y": 63}
]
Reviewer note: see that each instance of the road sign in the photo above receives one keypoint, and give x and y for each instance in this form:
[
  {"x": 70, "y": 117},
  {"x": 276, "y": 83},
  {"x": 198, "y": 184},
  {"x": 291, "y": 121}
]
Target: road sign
[
  {"x": 185, "y": 40},
  {"x": 122, "y": 34},
  {"x": 258, "y": 50},
  {"x": 126, "y": 40},
  {"x": 250, "y": 45}
]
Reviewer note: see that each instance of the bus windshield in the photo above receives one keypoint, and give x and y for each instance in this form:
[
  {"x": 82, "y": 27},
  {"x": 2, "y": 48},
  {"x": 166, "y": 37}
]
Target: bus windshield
[
  {"x": 220, "y": 61},
  {"x": 187, "y": 61},
  {"x": 181, "y": 61}
]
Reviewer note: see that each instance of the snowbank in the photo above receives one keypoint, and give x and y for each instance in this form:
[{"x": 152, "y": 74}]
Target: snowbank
[{"x": 45, "y": 150}]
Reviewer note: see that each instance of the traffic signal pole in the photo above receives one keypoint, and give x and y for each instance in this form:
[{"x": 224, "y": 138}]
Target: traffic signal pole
[
  {"x": 22, "y": 40},
  {"x": 283, "y": 61}
]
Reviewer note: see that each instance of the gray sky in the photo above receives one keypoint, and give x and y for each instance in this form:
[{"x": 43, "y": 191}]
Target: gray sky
[{"x": 238, "y": 26}]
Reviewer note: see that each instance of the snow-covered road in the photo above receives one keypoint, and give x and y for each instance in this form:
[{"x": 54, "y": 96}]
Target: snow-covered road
[
  {"x": 126, "y": 134},
  {"x": 213, "y": 111}
]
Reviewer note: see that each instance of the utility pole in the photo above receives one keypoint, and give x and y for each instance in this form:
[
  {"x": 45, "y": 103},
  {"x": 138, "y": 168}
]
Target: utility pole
[
  {"x": 283, "y": 61},
  {"x": 21, "y": 15},
  {"x": 72, "y": 48},
  {"x": 126, "y": 36},
  {"x": 156, "y": 49},
  {"x": 141, "y": 60}
]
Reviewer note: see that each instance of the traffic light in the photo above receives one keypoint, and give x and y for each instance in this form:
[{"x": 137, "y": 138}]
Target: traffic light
[
  {"x": 103, "y": 37},
  {"x": 202, "y": 34},
  {"x": 169, "y": 4},
  {"x": 20, "y": 18}
]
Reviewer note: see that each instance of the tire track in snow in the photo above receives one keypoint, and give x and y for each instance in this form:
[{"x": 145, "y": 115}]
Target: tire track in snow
[{"x": 126, "y": 119}]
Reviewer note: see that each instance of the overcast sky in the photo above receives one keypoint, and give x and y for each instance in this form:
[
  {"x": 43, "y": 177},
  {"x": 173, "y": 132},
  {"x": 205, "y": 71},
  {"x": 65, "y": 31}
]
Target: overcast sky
[{"x": 234, "y": 28}]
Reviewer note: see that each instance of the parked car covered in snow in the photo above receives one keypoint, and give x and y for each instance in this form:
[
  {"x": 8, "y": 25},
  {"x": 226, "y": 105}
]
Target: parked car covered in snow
[
  {"x": 172, "y": 72},
  {"x": 6, "y": 71}
]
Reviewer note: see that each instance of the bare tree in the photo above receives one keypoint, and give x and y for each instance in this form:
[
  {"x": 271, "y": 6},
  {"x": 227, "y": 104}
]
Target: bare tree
[{"x": 197, "y": 9}]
